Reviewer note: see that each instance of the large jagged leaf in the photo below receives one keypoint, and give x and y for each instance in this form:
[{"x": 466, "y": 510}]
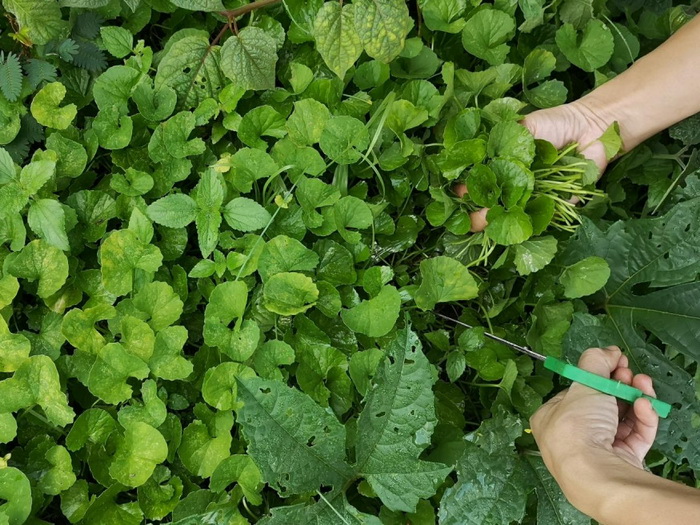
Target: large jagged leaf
[
  {"x": 298, "y": 445},
  {"x": 396, "y": 425},
  {"x": 653, "y": 263},
  {"x": 330, "y": 509},
  {"x": 492, "y": 486}
]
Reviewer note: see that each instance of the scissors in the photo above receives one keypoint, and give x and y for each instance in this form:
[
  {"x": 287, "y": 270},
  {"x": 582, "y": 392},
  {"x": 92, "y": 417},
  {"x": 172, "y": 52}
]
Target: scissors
[{"x": 601, "y": 384}]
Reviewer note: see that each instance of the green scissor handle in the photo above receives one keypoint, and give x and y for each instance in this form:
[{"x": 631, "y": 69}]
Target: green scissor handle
[{"x": 604, "y": 385}]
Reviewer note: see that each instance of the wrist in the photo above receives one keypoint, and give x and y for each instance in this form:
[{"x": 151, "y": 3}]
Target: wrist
[
  {"x": 603, "y": 111},
  {"x": 598, "y": 483}
]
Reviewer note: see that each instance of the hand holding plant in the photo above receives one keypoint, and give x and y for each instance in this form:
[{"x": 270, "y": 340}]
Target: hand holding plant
[{"x": 575, "y": 123}]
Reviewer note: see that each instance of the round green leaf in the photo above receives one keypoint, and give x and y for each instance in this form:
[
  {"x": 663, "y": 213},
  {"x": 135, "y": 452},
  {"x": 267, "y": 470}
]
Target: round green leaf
[
  {"x": 508, "y": 227},
  {"x": 485, "y": 35},
  {"x": 220, "y": 387},
  {"x": 344, "y": 139},
  {"x": 139, "y": 450},
  {"x": 375, "y": 317},
  {"x": 45, "y": 107},
  {"x": 590, "y": 49},
  {"x": 289, "y": 293},
  {"x": 16, "y": 493},
  {"x": 444, "y": 280}
]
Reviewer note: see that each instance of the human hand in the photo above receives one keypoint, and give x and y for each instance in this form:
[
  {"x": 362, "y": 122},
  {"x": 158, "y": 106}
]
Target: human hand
[
  {"x": 577, "y": 122},
  {"x": 581, "y": 425}
]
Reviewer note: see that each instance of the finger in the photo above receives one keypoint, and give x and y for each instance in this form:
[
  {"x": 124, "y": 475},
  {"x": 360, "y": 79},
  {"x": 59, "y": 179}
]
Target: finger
[
  {"x": 626, "y": 427},
  {"x": 645, "y": 427},
  {"x": 645, "y": 413},
  {"x": 460, "y": 190},
  {"x": 478, "y": 219},
  {"x": 643, "y": 420},
  {"x": 623, "y": 375},
  {"x": 644, "y": 383},
  {"x": 596, "y": 152}
]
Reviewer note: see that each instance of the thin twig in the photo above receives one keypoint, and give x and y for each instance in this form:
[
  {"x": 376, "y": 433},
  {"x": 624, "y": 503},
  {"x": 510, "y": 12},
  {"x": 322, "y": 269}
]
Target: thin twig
[{"x": 235, "y": 13}]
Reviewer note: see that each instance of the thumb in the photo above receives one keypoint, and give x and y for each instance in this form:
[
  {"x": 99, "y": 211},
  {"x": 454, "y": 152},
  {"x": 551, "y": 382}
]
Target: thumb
[{"x": 601, "y": 361}]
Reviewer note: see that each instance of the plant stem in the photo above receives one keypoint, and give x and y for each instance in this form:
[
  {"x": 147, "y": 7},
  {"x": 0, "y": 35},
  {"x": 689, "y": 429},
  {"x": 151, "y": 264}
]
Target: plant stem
[{"x": 235, "y": 13}]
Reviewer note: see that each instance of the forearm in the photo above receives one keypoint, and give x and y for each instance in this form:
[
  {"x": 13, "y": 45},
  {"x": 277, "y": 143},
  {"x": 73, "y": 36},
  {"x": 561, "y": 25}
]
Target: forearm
[
  {"x": 659, "y": 90},
  {"x": 617, "y": 493}
]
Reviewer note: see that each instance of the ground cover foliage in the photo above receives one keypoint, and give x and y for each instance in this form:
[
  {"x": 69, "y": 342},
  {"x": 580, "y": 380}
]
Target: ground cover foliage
[{"x": 226, "y": 228}]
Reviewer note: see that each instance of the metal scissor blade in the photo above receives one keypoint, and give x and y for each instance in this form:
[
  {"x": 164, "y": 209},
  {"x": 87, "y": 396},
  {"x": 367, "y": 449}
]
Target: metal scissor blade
[{"x": 519, "y": 348}]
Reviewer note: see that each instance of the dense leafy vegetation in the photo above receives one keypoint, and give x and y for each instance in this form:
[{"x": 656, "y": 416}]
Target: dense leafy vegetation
[{"x": 225, "y": 228}]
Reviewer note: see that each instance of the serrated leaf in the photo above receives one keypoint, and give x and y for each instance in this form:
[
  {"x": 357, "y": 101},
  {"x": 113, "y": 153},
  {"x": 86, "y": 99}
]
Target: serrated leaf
[
  {"x": 492, "y": 487},
  {"x": 329, "y": 510},
  {"x": 552, "y": 505},
  {"x": 41, "y": 19},
  {"x": 39, "y": 71},
  {"x": 10, "y": 77},
  {"x": 246, "y": 215},
  {"x": 192, "y": 69},
  {"x": 382, "y": 26},
  {"x": 173, "y": 211},
  {"x": 336, "y": 38},
  {"x": 200, "y": 5},
  {"x": 249, "y": 59}
]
